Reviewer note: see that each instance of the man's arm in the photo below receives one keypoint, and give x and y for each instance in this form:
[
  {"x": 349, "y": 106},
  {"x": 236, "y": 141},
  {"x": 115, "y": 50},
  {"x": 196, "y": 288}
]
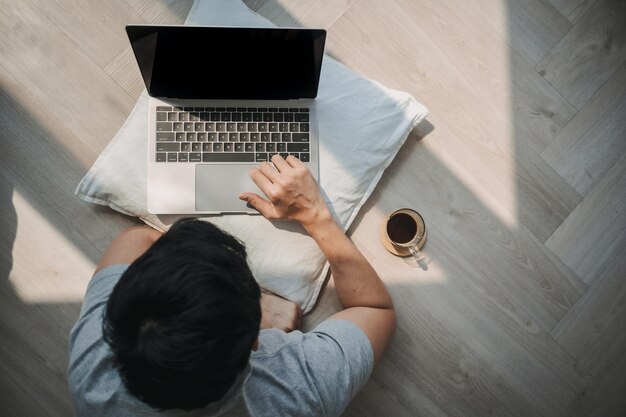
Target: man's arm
[
  {"x": 294, "y": 195},
  {"x": 128, "y": 246}
]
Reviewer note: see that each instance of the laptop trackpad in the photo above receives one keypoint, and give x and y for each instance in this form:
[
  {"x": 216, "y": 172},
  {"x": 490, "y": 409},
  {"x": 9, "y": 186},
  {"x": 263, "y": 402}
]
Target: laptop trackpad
[{"x": 218, "y": 187}]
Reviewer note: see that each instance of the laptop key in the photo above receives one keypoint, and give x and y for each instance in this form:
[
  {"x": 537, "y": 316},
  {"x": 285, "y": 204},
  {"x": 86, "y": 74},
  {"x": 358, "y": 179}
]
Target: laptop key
[
  {"x": 254, "y": 137},
  {"x": 299, "y": 137},
  {"x": 283, "y": 127},
  {"x": 257, "y": 117},
  {"x": 304, "y": 127},
  {"x": 270, "y": 147},
  {"x": 172, "y": 157},
  {"x": 220, "y": 127},
  {"x": 231, "y": 127},
  {"x": 164, "y": 108},
  {"x": 177, "y": 126},
  {"x": 278, "y": 117},
  {"x": 201, "y": 137},
  {"x": 233, "y": 137},
  {"x": 207, "y": 147},
  {"x": 172, "y": 117},
  {"x": 183, "y": 157},
  {"x": 191, "y": 137},
  {"x": 288, "y": 117},
  {"x": 241, "y": 127},
  {"x": 165, "y": 136},
  {"x": 293, "y": 127},
  {"x": 259, "y": 147},
  {"x": 305, "y": 157},
  {"x": 194, "y": 117},
  {"x": 212, "y": 137},
  {"x": 252, "y": 127},
  {"x": 185, "y": 147},
  {"x": 273, "y": 127},
  {"x": 220, "y": 109},
  {"x": 304, "y": 109},
  {"x": 268, "y": 117},
  {"x": 246, "y": 117},
  {"x": 236, "y": 117},
  {"x": 228, "y": 147},
  {"x": 301, "y": 117},
  {"x": 298, "y": 147},
  {"x": 196, "y": 147},
  {"x": 260, "y": 157},
  {"x": 284, "y": 155},
  {"x": 225, "y": 117},
  {"x": 161, "y": 117},
  {"x": 215, "y": 117},
  {"x": 223, "y": 137},
  {"x": 286, "y": 137},
  {"x": 265, "y": 137},
  {"x": 168, "y": 147},
  {"x": 198, "y": 127},
  {"x": 183, "y": 117},
  {"x": 209, "y": 126},
  {"x": 249, "y": 147},
  {"x": 217, "y": 147},
  {"x": 275, "y": 137},
  {"x": 252, "y": 109},
  {"x": 188, "y": 127},
  {"x": 180, "y": 137},
  {"x": 281, "y": 147},
  {"x": 205, "y": 117},
  {"x": 244, "y": 137},
  {"x": 238, "y": 147},
  {"x": 262, "y": 127},
  {"x": 161, "y": 157},
  {"x": 164, "y": 127},
  {"x": 195, "y": 157},
  {"x": 228, "y": 157}
]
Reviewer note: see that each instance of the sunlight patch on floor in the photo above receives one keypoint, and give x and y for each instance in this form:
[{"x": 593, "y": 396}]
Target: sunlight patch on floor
[{"x": 47, "y": 267}]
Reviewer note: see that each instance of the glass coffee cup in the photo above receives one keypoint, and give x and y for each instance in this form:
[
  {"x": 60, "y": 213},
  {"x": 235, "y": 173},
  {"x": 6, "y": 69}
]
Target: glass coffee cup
[{"x": 403, "y": 233}]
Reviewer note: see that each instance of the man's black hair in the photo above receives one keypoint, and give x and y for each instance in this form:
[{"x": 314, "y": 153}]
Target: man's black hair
[{"x": 182, "y": 319}]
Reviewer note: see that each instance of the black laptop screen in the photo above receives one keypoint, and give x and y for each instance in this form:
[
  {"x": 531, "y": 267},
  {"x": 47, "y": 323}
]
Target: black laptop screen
[{"x": 228, "y": 63}]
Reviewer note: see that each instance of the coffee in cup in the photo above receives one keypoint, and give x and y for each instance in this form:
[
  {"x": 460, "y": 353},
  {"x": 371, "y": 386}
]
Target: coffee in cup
[{"x": 403, "y": 232}]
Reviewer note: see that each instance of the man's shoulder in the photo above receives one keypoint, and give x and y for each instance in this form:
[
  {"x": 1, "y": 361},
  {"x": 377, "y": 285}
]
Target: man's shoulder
[{"x": 313, "y": 373}]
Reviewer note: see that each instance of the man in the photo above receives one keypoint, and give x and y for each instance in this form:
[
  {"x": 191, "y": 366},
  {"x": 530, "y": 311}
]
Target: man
[{"x": 177, "y": 331}]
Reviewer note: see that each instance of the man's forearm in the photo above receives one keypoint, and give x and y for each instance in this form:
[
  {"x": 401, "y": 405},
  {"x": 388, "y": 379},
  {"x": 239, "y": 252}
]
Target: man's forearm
[{"x": 356, "y": 282}]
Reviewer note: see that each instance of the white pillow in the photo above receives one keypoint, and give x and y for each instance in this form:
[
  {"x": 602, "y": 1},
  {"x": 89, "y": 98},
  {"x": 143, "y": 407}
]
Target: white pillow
[{"x": 362, "y": 125}]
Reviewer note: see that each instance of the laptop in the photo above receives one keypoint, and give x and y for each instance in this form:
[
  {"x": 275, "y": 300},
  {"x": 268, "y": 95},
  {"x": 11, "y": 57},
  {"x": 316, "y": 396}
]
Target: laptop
[{"x": 222, "y": 100}]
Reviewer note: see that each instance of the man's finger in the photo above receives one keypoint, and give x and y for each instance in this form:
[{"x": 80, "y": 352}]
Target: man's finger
[
  {"x": 259, "y": 203},
  {"x": 280, "y": 164},
  {"x": 294, "y": 162},
  {"x": 269, "y": 171},
  {"x": 261, "y": 180}
]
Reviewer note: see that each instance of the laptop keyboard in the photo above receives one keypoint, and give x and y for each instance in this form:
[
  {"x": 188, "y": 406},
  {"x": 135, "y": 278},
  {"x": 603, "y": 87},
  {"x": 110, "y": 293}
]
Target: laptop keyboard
[{"x": 229, "y": 134}]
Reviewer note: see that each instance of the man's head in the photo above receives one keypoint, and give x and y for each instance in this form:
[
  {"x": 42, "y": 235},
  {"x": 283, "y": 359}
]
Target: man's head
[{"x": 183, "y": 318}]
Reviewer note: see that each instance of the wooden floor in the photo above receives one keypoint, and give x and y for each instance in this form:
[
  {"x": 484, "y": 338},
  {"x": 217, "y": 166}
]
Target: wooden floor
[{"x": 521, "y": 178}]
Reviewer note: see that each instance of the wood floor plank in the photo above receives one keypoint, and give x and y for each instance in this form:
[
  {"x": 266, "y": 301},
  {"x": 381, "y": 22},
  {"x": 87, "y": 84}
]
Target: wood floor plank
[
  {"x": 594, "y": 140},
  {"x": 60, "y": 76},
  {"x": 594, "y": 235},
  {"x": 469, "y": 83},
  {"x": 534, "y": 27},
  {"x": 303, "y": 13},
  {"x": 573, "y": 9},
  {"x": 95, "y": 26},
  {"x": 594, "y": 332},
  {"x": 150, "y": 9},
  {"x": 589, "y": 54}
]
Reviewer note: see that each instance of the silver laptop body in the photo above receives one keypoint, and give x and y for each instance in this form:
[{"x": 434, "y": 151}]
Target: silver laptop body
[{"x": 211, "y": 118}]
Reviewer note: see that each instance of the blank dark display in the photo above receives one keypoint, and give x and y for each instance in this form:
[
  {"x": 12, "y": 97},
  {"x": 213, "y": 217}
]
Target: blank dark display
[{"x": 228, "y": 63}]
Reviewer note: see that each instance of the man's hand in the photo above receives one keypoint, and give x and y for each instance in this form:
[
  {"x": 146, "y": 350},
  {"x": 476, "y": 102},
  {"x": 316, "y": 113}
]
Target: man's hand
[
  {"x": 292, "y": 191},
  {"x": 278, "y": 313}
]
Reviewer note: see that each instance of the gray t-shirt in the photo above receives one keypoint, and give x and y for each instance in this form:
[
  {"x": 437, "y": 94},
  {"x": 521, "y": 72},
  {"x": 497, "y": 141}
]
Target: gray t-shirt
[{"x": 291, "y": 374}]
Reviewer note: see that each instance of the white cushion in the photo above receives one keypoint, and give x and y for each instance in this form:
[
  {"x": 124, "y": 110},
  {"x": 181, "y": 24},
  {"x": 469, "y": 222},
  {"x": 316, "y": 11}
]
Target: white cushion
[{"x": 362, "y": 125}]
